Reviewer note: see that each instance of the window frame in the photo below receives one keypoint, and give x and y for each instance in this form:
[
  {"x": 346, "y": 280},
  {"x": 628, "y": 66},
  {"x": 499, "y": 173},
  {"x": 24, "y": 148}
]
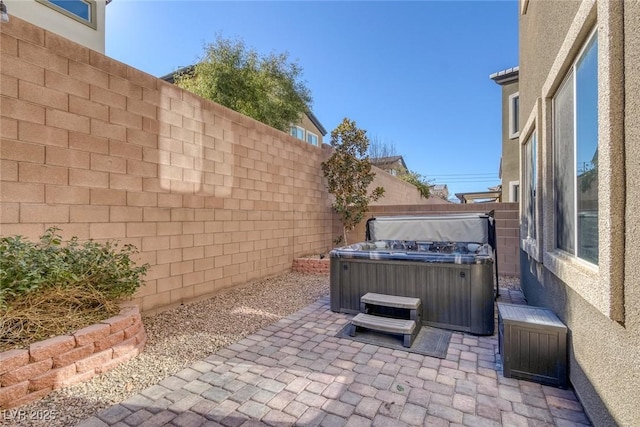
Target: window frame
[
  {"x": 570, "y": 78},
  {"x": 93, "y": 13},
  {"x": 309, "y": 133},
  {"x": 533, "y": 245},
  {"x": 514, "y": 191},
  {"x": 514, "y": 119},
  {"x": 601, "y": 286},
  {"x": 297, "y": 128},
  {"x": 529, "y": 228}
]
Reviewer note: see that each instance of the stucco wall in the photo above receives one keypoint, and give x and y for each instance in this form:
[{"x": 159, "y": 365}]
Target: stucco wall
[
  {"x": 398, "y": 192},
  {"x": 52, "y": 20},
  {"x": 510, "y": 147},
  {"x": 600, "y": 305},
  {"x": 632, "y": 160},
  {"x": 542, "y": 30}
]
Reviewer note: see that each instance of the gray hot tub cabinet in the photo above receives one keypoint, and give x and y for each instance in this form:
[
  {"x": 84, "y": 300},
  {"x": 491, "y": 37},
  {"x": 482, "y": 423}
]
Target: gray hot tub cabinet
[
  {"x": 459, "y": 297},
  {"x": 456, "y": 287}
]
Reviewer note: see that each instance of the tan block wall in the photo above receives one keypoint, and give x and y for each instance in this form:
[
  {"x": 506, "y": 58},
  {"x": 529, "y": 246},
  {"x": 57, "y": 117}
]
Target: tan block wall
[
  {"x": 104, "y": 151},
  {"x": 398, "y": 192},
  {"x": 30, "y": 374},
  {"x": 507, "y": 226}
]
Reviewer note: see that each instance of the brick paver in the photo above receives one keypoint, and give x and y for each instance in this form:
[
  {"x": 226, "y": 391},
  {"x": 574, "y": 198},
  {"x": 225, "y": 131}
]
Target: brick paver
[{"x": 296, "y": 372}]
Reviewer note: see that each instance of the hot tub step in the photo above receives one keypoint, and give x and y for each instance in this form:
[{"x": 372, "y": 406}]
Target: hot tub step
[
  {"x": 407, "y": 328},
  {"x": 391, "y": 300},
  {"x": 412, "y": 305}
]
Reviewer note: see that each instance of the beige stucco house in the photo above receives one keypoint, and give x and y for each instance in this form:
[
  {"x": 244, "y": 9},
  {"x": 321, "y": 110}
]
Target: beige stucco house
[
  {"x": 510, "y": 159},
  {"x": 309, "y": 129},
  {"x": 579, "y": 89},
  {"x": 394, "y": 165},
  {"x": 82, "y": 21}
]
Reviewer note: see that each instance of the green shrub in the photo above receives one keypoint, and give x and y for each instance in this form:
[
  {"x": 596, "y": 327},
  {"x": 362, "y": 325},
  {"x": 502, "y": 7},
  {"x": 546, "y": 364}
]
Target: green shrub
[{"x": 27, "y": 267}]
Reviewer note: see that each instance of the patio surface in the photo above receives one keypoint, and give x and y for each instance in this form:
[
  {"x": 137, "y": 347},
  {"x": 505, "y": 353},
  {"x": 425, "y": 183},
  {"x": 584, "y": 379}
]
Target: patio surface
[{"x": 296, "y": 372}]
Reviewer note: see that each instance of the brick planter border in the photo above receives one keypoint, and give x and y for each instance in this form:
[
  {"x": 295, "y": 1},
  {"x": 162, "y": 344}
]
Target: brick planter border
[
  {"x": 30, "y": 374},
  {"x": 311, "y": 265}
]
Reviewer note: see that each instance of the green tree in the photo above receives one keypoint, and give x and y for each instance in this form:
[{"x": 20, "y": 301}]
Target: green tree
[
  {"x": 348, "y": 173},
  {"x": 266, "y": 88},
  {"x": 419, "y": 181}
]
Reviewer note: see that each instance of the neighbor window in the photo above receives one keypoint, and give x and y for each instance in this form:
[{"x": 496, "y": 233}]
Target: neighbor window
[
  {"x": 529, "y": 176},
  {"x": 575, "y": 164},
  {"x": 298, "y": 132},
  {"x": 514, "y": 115},
  {"x": 514, "y": 191},
  {"x": 80, "y": 10},
  {"x": 312, "y": 138}
]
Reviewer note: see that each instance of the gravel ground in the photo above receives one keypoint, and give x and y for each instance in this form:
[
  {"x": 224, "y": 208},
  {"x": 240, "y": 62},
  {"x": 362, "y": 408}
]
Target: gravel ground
[
  {"x": 179, "y": 337},
  {"x": 176, "y": 339}
]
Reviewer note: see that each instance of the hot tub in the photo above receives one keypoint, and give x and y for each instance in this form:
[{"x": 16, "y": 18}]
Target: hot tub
[{"x": 447, "y": 261}]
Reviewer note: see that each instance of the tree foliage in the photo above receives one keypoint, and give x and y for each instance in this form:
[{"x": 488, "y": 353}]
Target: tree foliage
[
  {"x": 267, "y": 88},
  {"x": 348, "y": 173},
  {"x": 27, "y": 267},
  {"x": 419, "y": 181}
]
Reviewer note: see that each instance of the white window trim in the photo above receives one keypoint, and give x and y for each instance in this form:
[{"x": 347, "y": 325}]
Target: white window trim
[
  {"x": 303, "y": 133},
  {"x": 513, "y": 133},
  {"x": 317, "y": 139},
  {"x": 582, "y": 50},
  {"x": 512, "y": 185},
  {"x": 93, "y": 14},
  {"x": 533, "y": 245}
]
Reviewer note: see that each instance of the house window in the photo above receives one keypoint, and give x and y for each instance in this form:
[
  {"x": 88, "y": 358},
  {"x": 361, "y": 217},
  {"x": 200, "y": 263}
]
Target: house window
[
  {"x": 298, "y": 132},
  {"x": 514, "y": 115},
  {"x": 81, "y": 10},
  {"x": 529, "y": 177},
  {"x": 514, "y": 191},
  {"x": 312, "y": 138},
  {"x": 575, "y": 162}
]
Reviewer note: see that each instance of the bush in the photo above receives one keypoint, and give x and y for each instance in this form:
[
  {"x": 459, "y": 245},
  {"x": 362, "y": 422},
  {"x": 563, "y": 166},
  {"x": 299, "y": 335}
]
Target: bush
[
  {"x": 54, "y": 288},
  {"x": 27, "y": 267}
]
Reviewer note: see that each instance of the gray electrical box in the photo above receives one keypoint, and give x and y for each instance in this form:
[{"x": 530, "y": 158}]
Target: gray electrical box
[{"x": 533, "y": 344}]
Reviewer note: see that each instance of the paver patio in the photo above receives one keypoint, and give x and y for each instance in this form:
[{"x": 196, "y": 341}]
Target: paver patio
[{"x": 296, "y": 372}]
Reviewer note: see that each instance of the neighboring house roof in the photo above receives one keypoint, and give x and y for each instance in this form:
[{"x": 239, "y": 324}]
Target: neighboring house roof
[
  {"x": 189, "y": 69},
  {"x": 182, "y": 70},
  {"x": 387, "y": 162},
  {"x": 510, "y": 75},
  {"x": 316, "y": 123},
  {"x": 439, "y": 187}
]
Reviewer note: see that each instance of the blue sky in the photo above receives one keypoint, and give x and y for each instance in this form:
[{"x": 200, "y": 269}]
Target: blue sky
[{"x": 415, "y": 74}]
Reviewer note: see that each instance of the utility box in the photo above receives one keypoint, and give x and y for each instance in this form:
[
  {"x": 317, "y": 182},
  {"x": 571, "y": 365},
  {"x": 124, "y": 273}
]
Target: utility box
[{"x": 533, "y": 344}]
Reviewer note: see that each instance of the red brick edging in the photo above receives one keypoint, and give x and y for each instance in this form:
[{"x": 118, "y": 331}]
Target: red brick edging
[
  {"x": 30, "y": 374},
  {"x": 311, "y": 265}
]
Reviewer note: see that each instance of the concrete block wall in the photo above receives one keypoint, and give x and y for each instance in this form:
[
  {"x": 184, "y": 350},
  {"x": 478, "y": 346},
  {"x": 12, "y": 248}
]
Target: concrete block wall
[
  {"x": 211, "y": 198},
  {"x": 397, "y": 192},
  {"x": 30, "y": 374},
  {"x": 507, "y": 226},
  {"x": 104, "y": 151}
]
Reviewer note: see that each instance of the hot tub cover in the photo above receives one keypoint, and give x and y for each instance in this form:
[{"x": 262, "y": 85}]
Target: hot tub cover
[{"x": 467, "y": 227}]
